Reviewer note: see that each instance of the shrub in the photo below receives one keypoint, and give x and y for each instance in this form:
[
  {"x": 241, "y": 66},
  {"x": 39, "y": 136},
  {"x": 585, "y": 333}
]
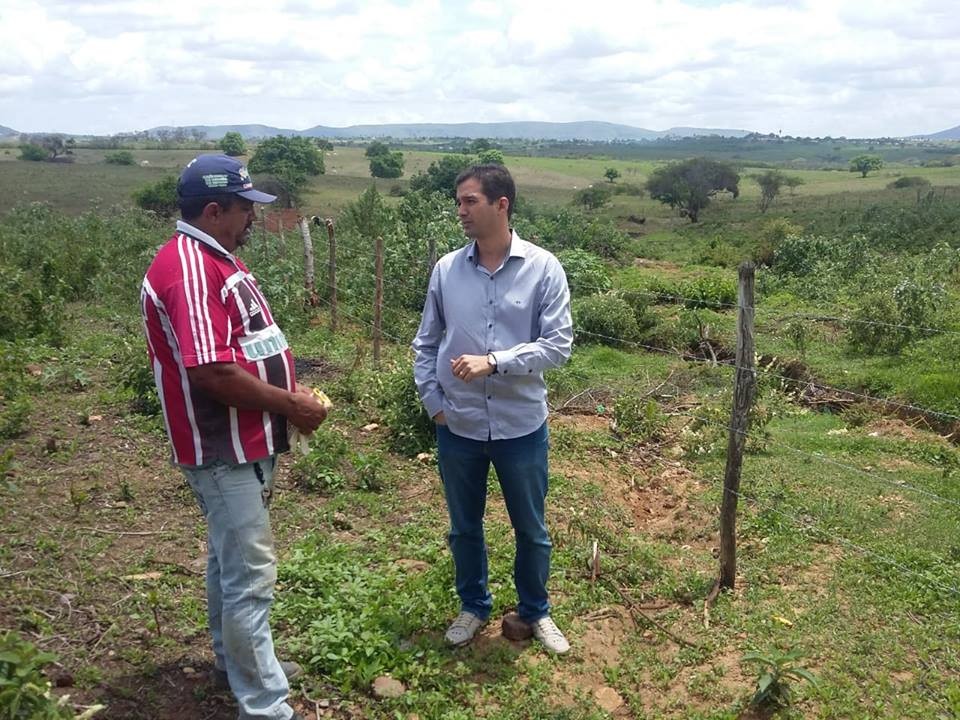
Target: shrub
[
  {"x": 606, "y": 319},
  {"x": 909, "y": 181},
  {"x": 25, "y": 693},
  {"x": 119, "y": 157},
  {"x": 593, "y": 197},
  {"x": 33, "y": 153},
  {"x": 884, "y": 321},
  {"x": 586, "y": 273},
  {"x": 160, "y": 197},
  {"x": 639, "y": 418},
  {"x": 412, "y": 431},
  {"x": 709, "y": 291},
  {"x": 321, "y": 470},
  {"x": 639, "y": 302},
  {"x": 571, "y": 229}
]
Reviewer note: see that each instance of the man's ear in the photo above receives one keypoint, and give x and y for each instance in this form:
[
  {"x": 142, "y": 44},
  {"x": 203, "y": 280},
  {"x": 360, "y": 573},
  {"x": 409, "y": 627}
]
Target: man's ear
[
  {"x": 211, "y": 211},
  {"x": 503, "y": 204}
]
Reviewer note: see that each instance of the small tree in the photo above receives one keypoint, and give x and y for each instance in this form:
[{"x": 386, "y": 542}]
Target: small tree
[
  {"x": 479, "y": 145},
  {"x": 387, "y": 165},
  {"x": 865, "y": 163},
  {"x": 793, "y": 182},
  {"x": 593, "y": 197},
  {"x": 689, "y": 185},
  {"x": 298, "y": 153},
  {"x": 611, "y": 174},
  {"x": 770, "y": 183},
  {"x": 323, "y": 144},
  {"x": 441, "y": 174},
  {"x": 232, "y": 144},
  {"x": 160, "y": 197}
]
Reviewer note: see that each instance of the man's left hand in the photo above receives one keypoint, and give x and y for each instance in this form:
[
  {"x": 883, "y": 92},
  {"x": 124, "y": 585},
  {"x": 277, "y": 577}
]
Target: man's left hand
[{"x": 469, "y": 367}]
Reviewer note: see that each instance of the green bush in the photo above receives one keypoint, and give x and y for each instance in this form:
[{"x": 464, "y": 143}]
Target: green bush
[
  {"x": 160, "y": 197},
  {"x": 638, "y": 418},
  {"x": 605, "y": 319},
  {"x": 25, "y": 693},
  {"x": 570, "y": 228},
  {"x": 119, "y": 157},
  {"x": 33, "y": 153},
  {"x": 412, "y": 431},
  {"x": 714, "y": 291},
  {"x": 586, "y": 273},
  {"x": 884, "y": 321},
  {"x": 909, "y": 181},
  {"x": 321, "y": 469},
  {"x": 639, "y": 302}
]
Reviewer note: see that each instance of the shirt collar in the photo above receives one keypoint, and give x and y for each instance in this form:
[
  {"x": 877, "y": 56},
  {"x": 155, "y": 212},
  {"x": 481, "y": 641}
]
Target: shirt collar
[
  {"x": 518, "y": 248},
  {"x": 188, "y": 229}
]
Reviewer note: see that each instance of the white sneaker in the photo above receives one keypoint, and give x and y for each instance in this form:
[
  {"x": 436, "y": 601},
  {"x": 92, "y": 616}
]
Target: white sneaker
[
  {"x": 462, "y": 630},
  {"x": 547, "y": 632}
]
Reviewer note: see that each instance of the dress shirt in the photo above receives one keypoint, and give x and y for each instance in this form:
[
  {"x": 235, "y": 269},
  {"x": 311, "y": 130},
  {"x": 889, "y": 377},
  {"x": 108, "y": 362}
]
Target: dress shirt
[{"x": 520, "y": 313}]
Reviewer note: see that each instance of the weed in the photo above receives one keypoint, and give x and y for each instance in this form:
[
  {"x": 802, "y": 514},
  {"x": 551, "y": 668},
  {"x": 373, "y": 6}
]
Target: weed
[{"x": 777, "y": 672}]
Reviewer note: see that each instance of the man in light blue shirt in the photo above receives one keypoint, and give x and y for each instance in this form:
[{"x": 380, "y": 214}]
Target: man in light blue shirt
[{"x": 497, "y": 315}]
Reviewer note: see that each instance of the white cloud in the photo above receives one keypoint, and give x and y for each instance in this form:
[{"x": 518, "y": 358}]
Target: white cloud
[{"x": 814, "y": 67}]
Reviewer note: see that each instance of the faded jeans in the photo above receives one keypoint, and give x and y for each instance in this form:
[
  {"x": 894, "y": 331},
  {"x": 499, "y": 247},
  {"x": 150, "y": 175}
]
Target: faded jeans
[
  {"x": 241, "y": 573},
  {"x": 521, "y": 465}
]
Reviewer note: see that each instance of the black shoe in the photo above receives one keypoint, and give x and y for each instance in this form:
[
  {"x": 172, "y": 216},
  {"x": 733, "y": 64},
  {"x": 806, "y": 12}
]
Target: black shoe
[{"x": 291, "y": 669}]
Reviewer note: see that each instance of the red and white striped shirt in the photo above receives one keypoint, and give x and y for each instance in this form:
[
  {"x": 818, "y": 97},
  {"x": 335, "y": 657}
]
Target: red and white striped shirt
[{"x": 201, "y": 305}]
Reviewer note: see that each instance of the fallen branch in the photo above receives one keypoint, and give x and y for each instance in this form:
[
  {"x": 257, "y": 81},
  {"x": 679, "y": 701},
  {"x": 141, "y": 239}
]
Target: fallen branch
[
  {"x": 708, "y": 602},
  {"x": 122, "y": 532},
  {"x": 642, "y": 618}
]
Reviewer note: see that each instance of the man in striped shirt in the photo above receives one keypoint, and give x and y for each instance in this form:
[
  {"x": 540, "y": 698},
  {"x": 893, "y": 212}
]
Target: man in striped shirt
[{"x": 225, "y": 377}]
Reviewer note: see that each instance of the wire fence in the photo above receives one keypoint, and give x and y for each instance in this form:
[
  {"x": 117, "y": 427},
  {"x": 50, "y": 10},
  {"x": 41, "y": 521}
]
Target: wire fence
[{"x": 805, "y": 524}]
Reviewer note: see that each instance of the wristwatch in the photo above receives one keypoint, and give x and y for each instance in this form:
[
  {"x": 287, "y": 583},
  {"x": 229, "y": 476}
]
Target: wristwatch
[{"x": 491, "y": 358}]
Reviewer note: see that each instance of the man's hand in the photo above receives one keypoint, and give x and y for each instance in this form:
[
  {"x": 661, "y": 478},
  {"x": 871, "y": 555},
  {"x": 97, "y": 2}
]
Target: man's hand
[
  {"x": 307, "y": 412},
  {"x": 468, "y": 367},
  {"x": 440, "y": 418}
]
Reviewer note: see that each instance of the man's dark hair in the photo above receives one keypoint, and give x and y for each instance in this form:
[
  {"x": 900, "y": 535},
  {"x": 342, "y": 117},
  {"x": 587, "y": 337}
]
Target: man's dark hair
[
  {"x": 495, "y": 182},
  {"x": 192, "y": 207}
]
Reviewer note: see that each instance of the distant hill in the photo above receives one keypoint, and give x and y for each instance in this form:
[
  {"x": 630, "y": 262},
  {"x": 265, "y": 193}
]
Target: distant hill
[
  {"x": 951, "y": 134},
  {"x": 591, "y": 131},
  {"x": 7, "y": 132}
]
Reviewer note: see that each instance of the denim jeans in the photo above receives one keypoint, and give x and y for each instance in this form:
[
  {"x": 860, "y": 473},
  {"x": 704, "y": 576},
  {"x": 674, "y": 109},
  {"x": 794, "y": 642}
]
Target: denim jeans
[
  {"x": 521, "y": 465},
  {"x": 241, "y": 573}
]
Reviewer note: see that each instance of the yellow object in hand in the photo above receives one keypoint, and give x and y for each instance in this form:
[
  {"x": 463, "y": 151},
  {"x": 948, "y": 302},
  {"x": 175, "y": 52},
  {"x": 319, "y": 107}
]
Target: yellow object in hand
[{"x": 300, "y": 440}]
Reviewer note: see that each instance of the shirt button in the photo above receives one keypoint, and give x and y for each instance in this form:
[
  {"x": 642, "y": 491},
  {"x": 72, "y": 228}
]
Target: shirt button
[
  {"x": 489, "y": 397},
  {"x": 490, "y": 325},
  {"x": 491, "y": 302}
]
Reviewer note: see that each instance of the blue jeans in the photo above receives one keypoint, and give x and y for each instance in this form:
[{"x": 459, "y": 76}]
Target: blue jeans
[
  {"x": 521, "y": 465},
  {"x": 241, "y": 573}
]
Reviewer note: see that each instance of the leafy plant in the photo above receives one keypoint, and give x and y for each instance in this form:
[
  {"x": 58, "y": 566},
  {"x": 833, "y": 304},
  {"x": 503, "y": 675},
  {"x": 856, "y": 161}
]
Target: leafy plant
[
  {"x": 24, "y": 692},
  {"x": 639, "y": 418},
  {"x": 411, "y": 430},
  {"x": 606, "y": 319},
  {"x": 321, "y": 469},
  {"x": 586, "y": 273},
  {"x": 159, "y": 197},
  {"x": 119, "y": 157},
  {"x": 777, "y": 672}
]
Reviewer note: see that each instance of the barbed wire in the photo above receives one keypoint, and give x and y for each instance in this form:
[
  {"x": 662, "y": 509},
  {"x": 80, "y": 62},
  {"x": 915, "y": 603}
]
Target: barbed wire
[{"x": 859, "y": 548}]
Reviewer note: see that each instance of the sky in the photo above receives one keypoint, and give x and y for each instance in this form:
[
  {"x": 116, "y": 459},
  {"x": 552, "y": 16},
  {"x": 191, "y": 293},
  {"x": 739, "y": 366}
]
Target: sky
[{"x": 850, "y": 68}]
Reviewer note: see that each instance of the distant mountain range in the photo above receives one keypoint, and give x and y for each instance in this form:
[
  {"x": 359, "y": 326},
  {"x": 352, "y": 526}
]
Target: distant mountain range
[{"x": 590, "y": 130}]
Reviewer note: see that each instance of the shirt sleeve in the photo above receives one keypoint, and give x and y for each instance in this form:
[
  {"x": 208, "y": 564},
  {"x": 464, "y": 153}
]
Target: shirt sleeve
[
  {"x": 553, "y": 346},
  {"x": 426, "y": 347},
  {"x": 199, "y": 318}
]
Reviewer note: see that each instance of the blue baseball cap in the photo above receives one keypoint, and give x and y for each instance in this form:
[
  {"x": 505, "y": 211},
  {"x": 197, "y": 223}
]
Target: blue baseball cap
[{"x": 218, "y": 175}]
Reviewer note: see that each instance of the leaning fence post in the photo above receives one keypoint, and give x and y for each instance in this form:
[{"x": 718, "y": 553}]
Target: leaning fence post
[
  {"x": 744, "y": 386},
  {"x": 309, "y": 270},
  {"x": 378, "y": 303},
  {"x": 332, "y": 275}
]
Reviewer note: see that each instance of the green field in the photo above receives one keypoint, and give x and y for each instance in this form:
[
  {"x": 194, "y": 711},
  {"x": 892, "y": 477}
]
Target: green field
[{"x": 848, "y": 552}]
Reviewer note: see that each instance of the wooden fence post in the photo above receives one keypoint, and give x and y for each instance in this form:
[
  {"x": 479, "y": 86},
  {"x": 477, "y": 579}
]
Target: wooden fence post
[
  {"x": 378, "y": 303},
  {"x": 744, "y": 386},
  {"x": 431, "y": 254},
  {"x": 309, "y": 270},
  {"x": 332, "y": 275}
]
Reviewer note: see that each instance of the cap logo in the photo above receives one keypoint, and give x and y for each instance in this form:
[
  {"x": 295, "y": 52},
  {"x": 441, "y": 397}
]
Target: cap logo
[{"x": 216, "y": 181}]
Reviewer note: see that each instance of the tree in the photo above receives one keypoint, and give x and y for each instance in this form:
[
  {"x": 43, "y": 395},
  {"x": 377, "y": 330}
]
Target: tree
[
  {"x": 770, "y": 183},
  {"x": 387, "y": 165},
  {"x": 323, "y": 144},
  {"x": 689, "y": 185},
  {"x": 479, "y": 145},
  {"x": 593, "y": 197},
  {"x": 290, "y": 160},
  {"x": 376, "y": 148},
  {"x": 491, "y": 156},
  {"x": 232, "y": 144},
  {"x": 119, "y": 157},
  {"x": 793, "y": 182},
  {"x": 441, "y": 175},
  {"x": 611, "y": 174},
  {"x": 865, "y": 163}
]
